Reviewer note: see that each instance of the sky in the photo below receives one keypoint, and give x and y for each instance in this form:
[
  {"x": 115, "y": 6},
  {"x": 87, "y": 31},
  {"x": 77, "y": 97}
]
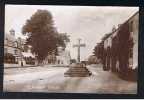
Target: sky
[{"x": 89, "y": 23}]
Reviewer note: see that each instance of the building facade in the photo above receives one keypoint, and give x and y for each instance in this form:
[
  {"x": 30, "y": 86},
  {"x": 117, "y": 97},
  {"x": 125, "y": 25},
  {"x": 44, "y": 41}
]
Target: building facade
[
  {"x": 63, "y": 56},
  {"x": 11, "y": 51},
  {"x": 14, "y": 52},
  {"x": 120, "y": 47}
]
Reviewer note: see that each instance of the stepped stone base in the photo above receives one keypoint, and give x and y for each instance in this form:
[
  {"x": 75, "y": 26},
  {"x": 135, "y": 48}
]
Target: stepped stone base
[{"x": 77, "y": 70}]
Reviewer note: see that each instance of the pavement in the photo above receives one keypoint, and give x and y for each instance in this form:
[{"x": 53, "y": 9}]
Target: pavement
[
  {"x": 51, "y": 79},
  {"x": 17, "y": 66},
  {"x": 7, "y": 66}
]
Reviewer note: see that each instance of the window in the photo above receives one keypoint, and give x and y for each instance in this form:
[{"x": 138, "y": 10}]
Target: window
[
  {"x": 137, "y": 24},
  {"x": 16, "y": 52},
  {"x": 131, "y": 26},
  {"x": 131, "y": 52},
  {"x": 15, "y": 44},
  {"x": 5, "y": 50},
  {"x": 6, "y": 41}
]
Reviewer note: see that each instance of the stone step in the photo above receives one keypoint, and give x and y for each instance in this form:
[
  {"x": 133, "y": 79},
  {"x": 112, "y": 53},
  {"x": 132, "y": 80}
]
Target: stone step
[
  {"x": 77, "y": 74},
  {"x": 77, "y": 70}
]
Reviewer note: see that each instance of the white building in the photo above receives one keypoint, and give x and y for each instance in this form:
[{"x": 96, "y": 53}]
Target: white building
[
  {"x": 15, "y": 47},
  {"x": 11, "y": 45},
  {"x": 63, "y": 56}
]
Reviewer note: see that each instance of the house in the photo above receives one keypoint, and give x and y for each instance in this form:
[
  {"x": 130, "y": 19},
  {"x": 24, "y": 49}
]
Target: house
[
  {"x": 63, "y": 56},
  {"x": 11, "y": 51},
  {"x": 120, "y": 48},
  {"x": 14, "y": 50}
]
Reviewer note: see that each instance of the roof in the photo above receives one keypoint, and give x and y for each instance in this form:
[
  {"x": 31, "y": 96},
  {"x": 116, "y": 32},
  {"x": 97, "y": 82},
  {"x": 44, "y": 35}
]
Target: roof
[
  {"x": 109, "y": 34},
  {"x": 9, "y": 37}
]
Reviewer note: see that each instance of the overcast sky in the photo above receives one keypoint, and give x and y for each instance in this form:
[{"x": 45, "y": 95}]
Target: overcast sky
[{"x": 89, "y": 23}]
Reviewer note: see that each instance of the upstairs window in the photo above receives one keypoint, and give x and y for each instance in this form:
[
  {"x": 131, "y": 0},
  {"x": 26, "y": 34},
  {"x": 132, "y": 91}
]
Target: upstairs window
[{"x": 131, "y": 26}]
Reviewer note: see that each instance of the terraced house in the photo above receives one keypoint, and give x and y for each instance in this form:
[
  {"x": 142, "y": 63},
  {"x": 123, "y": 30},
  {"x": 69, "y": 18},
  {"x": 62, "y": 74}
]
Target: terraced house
[{"x": 120, "y": 48}]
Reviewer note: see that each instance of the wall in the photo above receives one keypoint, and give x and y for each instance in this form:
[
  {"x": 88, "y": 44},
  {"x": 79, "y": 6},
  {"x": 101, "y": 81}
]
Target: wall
[{"x": 134, "y": 34}]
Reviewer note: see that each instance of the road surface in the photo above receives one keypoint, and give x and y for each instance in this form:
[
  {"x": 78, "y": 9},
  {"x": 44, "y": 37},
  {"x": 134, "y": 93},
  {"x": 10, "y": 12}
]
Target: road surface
[{"x": 51, "y": 79}]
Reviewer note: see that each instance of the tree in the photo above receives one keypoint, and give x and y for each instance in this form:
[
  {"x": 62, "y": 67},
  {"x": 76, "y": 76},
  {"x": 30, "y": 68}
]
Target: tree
[
  {"x": 95, "y": 51},
  {"x": 92, "y": 59},
  {"x": 42, "y": 35},
  {"x": 73, "y": 61},
  {"x": 63, "y": 39},
  {"x": 98, "y": 50},
  {"x": 9, "y": 58}
]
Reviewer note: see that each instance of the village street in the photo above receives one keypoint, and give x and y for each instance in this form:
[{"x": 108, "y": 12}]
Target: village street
[{"x": 51, "y": 79}]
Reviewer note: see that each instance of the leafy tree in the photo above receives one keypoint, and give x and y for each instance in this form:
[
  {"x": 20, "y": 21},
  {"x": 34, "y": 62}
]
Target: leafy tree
[
  {"x": 73, "y": 60},
  {"x": 9, "y": 58},
  {"x": 92, "y": 59},
  {"x": 42, "y": 35},
  {"x": 63, "y": 39},
  {"x": 95, "y": 51},
  {"x": 98, "y": 50}
]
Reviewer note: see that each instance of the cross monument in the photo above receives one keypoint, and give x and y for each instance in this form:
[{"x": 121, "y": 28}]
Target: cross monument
[{"x": 78, "y": 46}]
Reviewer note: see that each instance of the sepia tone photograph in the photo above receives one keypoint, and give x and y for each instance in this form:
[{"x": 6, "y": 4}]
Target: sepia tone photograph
[{"x": 71, "y": 49}]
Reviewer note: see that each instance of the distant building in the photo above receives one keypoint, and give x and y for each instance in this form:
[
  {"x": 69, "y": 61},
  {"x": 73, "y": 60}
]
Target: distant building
[
  {"x": 92, "y": 59},
  {"x": 11, "y": 47},
  {"x": 50, "y": 59},
  {"x": 63, "y": 56},
  {"x": 14, "y": 49}
]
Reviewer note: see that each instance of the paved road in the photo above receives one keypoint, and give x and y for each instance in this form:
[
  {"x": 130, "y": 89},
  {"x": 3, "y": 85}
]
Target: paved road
[{"x": 51, "y": 79}]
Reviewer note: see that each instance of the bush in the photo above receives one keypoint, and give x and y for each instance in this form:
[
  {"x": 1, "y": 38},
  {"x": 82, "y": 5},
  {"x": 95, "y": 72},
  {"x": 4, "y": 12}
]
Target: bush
[
  {"x": 9, "y": 58},
  {"x": 72, "y": 61},
  {"x": 30, "y": 60}
]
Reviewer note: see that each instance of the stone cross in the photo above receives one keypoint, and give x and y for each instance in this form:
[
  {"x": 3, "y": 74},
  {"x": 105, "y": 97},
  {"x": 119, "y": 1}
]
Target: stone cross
[{"x": 78, "y": 46}]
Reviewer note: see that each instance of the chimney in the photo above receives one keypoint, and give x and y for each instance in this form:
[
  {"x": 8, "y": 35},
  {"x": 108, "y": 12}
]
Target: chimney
[
  {"x": 119, "y": 25},
  {"x": 113, "y": 29}
]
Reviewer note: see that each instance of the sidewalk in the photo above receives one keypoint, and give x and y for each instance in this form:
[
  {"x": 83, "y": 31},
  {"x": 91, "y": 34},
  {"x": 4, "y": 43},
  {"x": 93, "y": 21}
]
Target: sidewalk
[{"x": 17, "y": 66}]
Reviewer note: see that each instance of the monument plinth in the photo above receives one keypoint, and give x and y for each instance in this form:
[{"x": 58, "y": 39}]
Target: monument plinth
[{"x": 77, "y": 70}]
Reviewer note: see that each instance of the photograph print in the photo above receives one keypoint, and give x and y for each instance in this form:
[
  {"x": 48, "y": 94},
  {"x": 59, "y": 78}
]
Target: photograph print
[{"x": 71, "y": 49}]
